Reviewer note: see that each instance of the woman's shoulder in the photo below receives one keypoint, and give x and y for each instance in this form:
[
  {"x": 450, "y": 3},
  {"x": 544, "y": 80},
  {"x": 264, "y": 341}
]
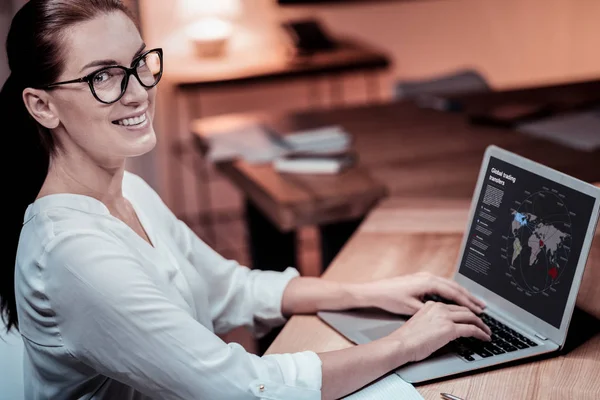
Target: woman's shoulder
[
  {"x": 59, "y": 236},
  {"x": 50, "y": 215},
  {"x": 54, "y": 219},
  {"x": 60, "y": 230}
]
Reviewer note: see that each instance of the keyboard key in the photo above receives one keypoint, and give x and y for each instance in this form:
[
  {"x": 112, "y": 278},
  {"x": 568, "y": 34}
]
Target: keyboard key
[
  {"x": 519, "y": 345},
  {"x": 494, "y": 349},
  {"x": 510, "y": 348},
  {"x": 504, "y": 335},
  {"x": 483, "y": 353},
  {"x": 506, "y": 346},
  {"x": 504, "y": 340}
]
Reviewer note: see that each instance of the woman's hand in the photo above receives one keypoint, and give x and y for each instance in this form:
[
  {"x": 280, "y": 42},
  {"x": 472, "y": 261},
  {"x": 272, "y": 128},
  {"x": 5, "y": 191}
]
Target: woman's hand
[
  {"x": 405, "y": 294},
  {"x": 435, "y": 325}
]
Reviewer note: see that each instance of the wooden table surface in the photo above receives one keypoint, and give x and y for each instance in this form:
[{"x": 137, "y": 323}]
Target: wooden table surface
[
  {"x": 408, "y": 235},
  {"x": 411, "y": 151},
  {"x": 558, "y": 97},
  {"x": 428, "y": 162},
  {"x": 191, "y": 73}
]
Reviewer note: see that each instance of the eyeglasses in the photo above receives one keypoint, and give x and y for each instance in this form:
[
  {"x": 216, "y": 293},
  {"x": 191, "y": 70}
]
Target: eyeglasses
[{"x": 109, "y": 84}]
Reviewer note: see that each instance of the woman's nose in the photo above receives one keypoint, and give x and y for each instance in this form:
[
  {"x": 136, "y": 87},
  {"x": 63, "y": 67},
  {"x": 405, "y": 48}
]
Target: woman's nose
[{"x": 135, "y": 92}]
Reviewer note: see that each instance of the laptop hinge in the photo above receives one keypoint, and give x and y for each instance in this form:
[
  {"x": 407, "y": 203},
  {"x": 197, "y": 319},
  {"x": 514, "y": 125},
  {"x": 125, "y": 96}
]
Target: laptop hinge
[{"x": 540, "y": 336}]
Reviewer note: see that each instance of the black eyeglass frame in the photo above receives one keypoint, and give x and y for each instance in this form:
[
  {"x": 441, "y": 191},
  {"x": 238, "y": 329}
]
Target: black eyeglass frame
[{"x": 128, "y": 72}]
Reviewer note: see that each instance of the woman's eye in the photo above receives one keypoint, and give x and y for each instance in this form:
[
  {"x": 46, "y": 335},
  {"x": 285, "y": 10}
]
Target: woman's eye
[{"x": 101, "y": 77}]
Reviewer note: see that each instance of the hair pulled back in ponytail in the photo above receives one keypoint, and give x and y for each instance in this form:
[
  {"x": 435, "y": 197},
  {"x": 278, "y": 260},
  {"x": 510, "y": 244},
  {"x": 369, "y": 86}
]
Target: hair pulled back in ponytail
[{"x": 35, "y": 52}]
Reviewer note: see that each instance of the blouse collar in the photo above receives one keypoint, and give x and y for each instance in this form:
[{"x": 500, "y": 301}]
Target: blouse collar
[{"x": 79, "y": 202}]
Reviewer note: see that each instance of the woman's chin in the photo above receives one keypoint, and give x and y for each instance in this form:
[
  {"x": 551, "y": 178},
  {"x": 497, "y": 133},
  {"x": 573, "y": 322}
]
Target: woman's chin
[{"x": 141, "y": 145}]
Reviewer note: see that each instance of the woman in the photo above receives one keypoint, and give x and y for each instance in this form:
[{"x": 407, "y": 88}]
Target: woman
[{"x": 117, "y": 299}]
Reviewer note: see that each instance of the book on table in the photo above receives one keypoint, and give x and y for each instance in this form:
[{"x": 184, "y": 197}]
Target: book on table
[{"x": 323, "y": 150}]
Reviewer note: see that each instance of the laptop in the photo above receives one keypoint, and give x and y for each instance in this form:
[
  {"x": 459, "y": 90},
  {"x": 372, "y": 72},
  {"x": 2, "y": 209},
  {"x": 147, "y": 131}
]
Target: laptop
[{"x": 528, "y": 236}]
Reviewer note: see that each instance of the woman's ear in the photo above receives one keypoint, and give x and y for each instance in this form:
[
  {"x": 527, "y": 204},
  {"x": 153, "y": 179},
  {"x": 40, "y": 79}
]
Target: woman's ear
[{"x": 40, "y": 106}]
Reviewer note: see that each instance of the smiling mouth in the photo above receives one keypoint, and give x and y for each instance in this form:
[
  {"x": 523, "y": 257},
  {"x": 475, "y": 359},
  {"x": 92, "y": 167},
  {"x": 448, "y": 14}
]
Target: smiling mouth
[{"x": 131, "y": 121}]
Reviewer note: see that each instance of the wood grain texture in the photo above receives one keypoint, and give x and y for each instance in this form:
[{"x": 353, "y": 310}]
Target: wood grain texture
[
  {"x": 295, "y": 200},
  {"x": 191, "y": 73},
  {"x": 384, "y": 246},
  {"x": 404, "y": 152}
]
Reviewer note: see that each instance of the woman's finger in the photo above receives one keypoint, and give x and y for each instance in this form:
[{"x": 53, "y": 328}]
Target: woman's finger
[
  {"x": 414, "y": 304},
  {"x": 468, "y": 330},
  {"x": 441, "y": 288},
  {"x": 457, "y": 308},
  {"x": 464, "y": 295},
  {"x": 474, "y": 299},
  {"x": 467, "y": 317}
]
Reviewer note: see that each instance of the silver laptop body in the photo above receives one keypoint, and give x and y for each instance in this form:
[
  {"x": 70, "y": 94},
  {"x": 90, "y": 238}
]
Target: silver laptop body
[{"x": 524, "y": 251}]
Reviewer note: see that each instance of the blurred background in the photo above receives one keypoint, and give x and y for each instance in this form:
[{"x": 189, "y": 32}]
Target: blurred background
[{"x": 234, "y": 59}]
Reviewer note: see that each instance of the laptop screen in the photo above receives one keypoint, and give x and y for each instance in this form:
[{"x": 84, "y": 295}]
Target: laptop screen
[{"x": 526, "y": 239}]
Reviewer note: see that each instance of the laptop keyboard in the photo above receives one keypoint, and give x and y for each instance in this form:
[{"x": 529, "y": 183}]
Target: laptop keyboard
[{"x": 504, "y": 340}]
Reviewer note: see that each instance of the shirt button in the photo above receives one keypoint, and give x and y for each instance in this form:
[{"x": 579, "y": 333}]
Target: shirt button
[{"x": 261, "y": 388}]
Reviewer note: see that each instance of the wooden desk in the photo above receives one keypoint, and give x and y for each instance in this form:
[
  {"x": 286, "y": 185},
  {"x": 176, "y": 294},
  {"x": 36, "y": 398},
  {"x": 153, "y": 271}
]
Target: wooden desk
[
  {"x": 405, "y": 236},
  {"x": 279, "y": 204},
  {"x": 188, "y": 76},
  {"x": 558, "y": 97},
  {"x": 351, "y": 56},
  {"x": 414, "y": 152}
]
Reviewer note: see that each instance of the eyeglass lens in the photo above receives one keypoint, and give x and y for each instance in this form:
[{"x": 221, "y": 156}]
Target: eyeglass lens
[{"x": 110, "y": 83}]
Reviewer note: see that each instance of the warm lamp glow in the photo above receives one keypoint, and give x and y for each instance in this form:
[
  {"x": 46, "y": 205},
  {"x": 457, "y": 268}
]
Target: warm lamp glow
[
  {"x": 210, "y": 24},
  {"x": 210, "y": 29},
  {"x": 193, "y": 10}
]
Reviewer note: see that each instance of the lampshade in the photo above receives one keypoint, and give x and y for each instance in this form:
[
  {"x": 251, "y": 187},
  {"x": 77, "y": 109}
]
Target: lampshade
[
  {"x": 209, "y": 23},
  {"x": 191, "y": 10}
]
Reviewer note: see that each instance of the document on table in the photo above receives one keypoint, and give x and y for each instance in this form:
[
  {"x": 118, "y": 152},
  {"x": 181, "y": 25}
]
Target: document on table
[
  {"x": 391, "y": 387},
  {"x": 258, "y": 144},
  {"x": 251, "y": 143}
]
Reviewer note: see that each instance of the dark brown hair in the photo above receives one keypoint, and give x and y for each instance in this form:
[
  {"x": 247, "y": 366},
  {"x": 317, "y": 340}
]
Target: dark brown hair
[{"x": 35, "y": 53}]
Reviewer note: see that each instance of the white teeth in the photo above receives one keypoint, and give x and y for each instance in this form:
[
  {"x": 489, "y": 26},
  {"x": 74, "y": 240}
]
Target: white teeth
[{"x": 132, "y": 121}]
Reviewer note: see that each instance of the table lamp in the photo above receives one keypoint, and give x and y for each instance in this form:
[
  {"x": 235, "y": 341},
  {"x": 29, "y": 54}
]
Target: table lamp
[{"x": 210, "y": 24}]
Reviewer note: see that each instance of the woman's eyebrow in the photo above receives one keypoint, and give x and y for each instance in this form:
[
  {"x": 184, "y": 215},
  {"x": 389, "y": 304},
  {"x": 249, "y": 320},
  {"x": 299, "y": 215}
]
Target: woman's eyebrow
[
  {"x": 139, "y": 52},
  {"x": 106, "y": 63}
]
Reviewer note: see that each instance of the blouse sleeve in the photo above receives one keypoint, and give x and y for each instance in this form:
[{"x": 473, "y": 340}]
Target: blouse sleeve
[
  {"x": 113, "y": 317},
  {"x": 238, "y": 296}
]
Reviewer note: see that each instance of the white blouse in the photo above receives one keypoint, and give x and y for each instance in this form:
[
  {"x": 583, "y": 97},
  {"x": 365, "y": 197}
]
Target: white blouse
[{"x": 106, "y": 315}]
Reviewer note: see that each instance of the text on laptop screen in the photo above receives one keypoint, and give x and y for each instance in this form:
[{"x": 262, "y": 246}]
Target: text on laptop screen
[{"x": 526, "y": 239}]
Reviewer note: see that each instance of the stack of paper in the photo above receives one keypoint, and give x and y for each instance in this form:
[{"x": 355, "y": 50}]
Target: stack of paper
[
  {"x": 387, "y": 388},
  {"x": 321, "y": 150},
  {"x": 314, "y": 164},
  {"x": 330, "y": 139},
  {"x": 252, "y": 143}
]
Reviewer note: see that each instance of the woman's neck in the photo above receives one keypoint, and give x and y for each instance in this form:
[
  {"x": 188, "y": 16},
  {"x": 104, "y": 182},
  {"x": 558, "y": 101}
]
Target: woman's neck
[{"x": 81, "y": 175}]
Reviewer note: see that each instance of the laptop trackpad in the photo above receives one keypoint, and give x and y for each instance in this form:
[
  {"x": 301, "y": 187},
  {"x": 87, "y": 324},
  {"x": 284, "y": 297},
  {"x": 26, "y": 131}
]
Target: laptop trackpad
[
  {"x": 381, "y": 331},
  {"x": 363, "y": 326}
]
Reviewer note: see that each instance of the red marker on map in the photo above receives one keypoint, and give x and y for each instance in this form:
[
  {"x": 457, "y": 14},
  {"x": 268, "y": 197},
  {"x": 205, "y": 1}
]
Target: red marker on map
[
  {"x": 553, "y": 272},
  {"x": 541, "y": 243}
]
